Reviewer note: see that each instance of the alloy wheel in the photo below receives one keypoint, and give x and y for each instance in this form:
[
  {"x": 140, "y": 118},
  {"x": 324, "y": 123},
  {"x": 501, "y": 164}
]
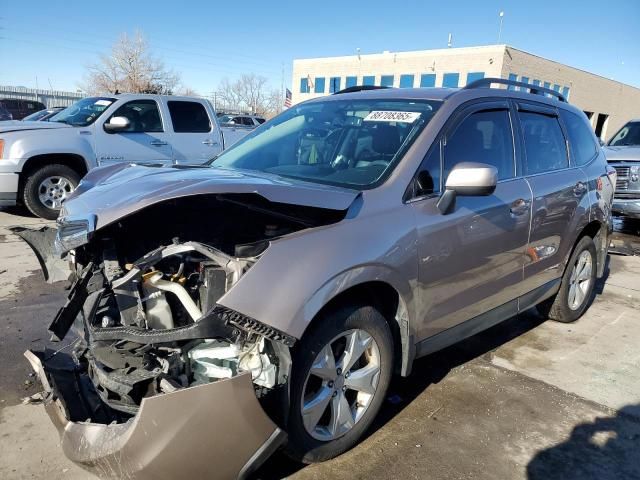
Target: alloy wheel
[
  {"x": 580, "y": 280},
  {"x": 53, "y": 191}
]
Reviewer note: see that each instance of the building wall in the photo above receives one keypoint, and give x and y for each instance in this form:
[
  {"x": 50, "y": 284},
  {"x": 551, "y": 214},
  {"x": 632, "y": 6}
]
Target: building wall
[
  {"x": 485, "y": 60},
  {"x": 600, "y": 96},
  {"x": 589, "y": 92}
]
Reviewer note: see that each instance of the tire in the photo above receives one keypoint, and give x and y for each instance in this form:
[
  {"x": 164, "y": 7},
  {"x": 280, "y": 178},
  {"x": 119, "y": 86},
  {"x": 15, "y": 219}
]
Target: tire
[
  {"x": 306, "y": 443},
  {"x": 53, "y": 182},
  {"x": 564, "y": 306}
]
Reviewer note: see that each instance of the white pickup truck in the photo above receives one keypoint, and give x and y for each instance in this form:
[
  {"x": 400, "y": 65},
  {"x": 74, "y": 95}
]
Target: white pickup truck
[{"x": 41, "y": 163}]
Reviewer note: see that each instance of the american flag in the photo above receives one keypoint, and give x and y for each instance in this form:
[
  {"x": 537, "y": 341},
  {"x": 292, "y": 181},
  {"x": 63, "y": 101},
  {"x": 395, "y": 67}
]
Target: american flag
[{"x": 287, "y": 98}]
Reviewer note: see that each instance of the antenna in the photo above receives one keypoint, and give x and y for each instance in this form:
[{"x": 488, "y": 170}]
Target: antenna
[{"x": 449, "y": 43}]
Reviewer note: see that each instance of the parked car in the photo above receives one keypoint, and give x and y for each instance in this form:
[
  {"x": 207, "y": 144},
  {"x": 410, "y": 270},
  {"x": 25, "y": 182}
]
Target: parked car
[
  {"x": 43, "y": 115},
  {"x": 623, "y": 153},
  {"x": 42, "y": 163},
  {"x": 20, "y": 108},
  {"x": 5, "y": 114},
  {"x": 280, "y": 289},
  {"x": 241, "y": 120}
]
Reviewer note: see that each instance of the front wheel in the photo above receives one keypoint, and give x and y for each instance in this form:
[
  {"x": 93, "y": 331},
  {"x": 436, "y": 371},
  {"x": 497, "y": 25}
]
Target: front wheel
[
  {"x": 341, "y": 372},
  {"x": 576, "y": 288},
  {"x": 47, "y": 188}
]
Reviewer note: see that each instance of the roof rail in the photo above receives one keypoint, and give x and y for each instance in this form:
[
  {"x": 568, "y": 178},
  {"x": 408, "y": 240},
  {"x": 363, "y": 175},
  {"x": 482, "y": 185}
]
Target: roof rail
[
  {"x": 533, "y": 89},
  {"x": 360, "y": 88}
]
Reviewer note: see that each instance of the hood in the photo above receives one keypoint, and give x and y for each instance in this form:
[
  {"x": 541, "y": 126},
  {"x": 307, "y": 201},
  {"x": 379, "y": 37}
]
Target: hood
[
  {"x": 628, "y": 153},
  {"x": 113, "y": 192},
  {"x": 19, "y": 126}
]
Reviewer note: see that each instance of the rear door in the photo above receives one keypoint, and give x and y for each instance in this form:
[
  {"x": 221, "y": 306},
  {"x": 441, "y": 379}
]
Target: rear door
[
  {"x": 145, "y": 141},
  {"x": 195, "y": 137},
  {"x": 471, "y": 260},
  {"x": 560, "y": 194}
]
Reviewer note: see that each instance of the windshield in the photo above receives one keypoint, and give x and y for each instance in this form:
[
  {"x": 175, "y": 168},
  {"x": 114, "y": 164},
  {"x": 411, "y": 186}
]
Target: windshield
[
  {"x": 628, "y": 135},
  {"x": 225, "y": 118},
  {"x": 35, "y": 116},
  {"x": 83, "y": 112},
  {"x": 350, "y": 143}
]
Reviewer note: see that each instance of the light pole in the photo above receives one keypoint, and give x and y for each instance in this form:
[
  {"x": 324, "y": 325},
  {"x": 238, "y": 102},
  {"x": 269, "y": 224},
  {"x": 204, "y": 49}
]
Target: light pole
[{"x": 500, "y": 29}]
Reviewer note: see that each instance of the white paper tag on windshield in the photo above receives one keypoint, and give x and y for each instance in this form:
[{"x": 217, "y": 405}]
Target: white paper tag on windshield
[
  {"x": 388, "y": 116},
  {"x": 104, "y": 103}
]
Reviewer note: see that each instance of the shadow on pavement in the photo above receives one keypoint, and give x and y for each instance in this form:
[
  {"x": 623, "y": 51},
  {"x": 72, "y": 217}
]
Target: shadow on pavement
[{"x": 605, "y": 449}]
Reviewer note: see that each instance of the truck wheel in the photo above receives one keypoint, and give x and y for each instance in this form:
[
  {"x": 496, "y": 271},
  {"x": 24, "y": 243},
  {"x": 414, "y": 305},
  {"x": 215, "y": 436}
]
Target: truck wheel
[
  {"x": 47, "y": 188},
  {"x": 341, "y": 372},
  {"x": 576, "y": 288}
]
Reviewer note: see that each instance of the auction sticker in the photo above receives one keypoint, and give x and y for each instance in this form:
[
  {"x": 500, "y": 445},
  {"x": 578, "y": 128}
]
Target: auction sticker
[{"x": 390, "y": 116}]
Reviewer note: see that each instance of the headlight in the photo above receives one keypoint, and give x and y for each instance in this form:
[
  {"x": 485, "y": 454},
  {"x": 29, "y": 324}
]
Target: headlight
[
  {"x": 1, "y": 147},
  {"x": 73, "y": 233}
]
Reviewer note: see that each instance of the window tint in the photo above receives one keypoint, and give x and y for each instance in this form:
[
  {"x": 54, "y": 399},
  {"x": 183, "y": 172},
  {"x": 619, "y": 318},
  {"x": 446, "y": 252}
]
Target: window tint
[
  {"x": 565, "y": 92},
  {"x": 368, "y": 80},
  {"x": 583, "y": 148},
  {"x": 319, "y": 85},
  {"x": 334, "y": 84},
  {"x": 473, "y": 76},
  {"x": 304, "y": 85},
  {"x": 351, "y": 82},
  {"x": 514, "y": 77},
  {"x": 189, "y": 117},
  {"x": 483, "y": 137},
  {"x": 450, "y": 80},
  {"x": 427, "y": 80},
  {"x": 143, "y": 116},
  {"x": 543, "y": 142},
  {"x": 428, "y": 180},
  {"x": 386, "y": 80},
  {"x": 406, "y": 81},
  {"x": 259, "y": 120}
]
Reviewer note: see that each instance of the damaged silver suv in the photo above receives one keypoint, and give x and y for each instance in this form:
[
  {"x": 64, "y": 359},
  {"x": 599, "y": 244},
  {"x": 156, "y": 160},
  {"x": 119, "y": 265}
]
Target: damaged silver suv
[{"x": 265, "y": 300}]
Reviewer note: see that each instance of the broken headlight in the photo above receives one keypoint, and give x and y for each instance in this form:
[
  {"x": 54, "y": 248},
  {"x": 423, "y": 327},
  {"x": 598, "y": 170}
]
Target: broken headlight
[{"x": 73, "y": 232}]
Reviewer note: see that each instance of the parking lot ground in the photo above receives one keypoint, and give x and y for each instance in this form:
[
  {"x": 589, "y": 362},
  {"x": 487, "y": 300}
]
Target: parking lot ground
[{"x": 526, "y": 399}]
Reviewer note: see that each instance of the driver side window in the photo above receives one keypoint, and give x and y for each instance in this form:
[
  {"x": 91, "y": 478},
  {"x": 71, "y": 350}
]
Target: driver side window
[
  {"x": 143, "y": 116},
  {"x": 482, "y": 137}
]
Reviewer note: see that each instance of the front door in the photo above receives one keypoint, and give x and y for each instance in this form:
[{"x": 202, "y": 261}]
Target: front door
[
  {"x": 471, "y": 260},
  {"x": 145, "y": 141}
]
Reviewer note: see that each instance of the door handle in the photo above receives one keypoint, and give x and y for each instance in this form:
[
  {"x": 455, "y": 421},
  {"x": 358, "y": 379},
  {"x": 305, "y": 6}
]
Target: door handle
[
  {"x": 580, "y": 188},
  {"x": 158, "y": 143},
  {"x": 519, "y": 207},
  {"x": 210, "y": 142}
]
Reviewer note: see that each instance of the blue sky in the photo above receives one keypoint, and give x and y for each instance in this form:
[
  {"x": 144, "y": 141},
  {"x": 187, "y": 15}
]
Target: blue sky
[{"x": 206, "y": 41}]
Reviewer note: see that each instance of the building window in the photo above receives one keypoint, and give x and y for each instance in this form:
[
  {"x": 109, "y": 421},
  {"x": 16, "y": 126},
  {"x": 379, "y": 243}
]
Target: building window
[
  {"x": 334, "y": 84},
  {"x": 351, "y": 82},
  {"x": 565, "y": 92},
  {"x": 406, "y": 81},
  {"x": 556, "y": 87},
  {"x": 524, "y": 80},
  {"x": 547, "y": 85},
  {"x": 473, "y": 76},
  {"x": 427, "y": 80},
  {"x": 368, "y": 80},
  {"x": 513, "y": 77},
  {"x": 450, "y": 80},
  {"x": 386, "y": 81},
  {"x": 536, "y": 83},
  {"x": 304, "y": 85},
  {"x": 319, "y": 86}
]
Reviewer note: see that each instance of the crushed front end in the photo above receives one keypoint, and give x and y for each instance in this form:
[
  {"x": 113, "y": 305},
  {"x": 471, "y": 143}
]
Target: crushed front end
[{"x": 162, "y": 380}]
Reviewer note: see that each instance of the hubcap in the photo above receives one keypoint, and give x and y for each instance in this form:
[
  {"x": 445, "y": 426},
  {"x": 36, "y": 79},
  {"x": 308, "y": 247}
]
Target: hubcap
[
  {"x": 580, "y": 280},
  {"x": 340, "y": 385},
  {"x": 53, "y": 191}
]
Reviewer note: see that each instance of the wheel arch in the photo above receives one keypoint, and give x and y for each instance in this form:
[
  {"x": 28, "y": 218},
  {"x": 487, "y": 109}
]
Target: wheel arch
[
  {"x": 600, "y": 235},
  {"x": 71, "y": 160}
]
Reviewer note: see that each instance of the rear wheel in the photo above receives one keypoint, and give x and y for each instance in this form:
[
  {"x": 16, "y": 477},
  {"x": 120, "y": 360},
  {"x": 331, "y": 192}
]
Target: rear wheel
[
  {"x": 47, "y": 188},
  {"x": 576, "y": 288},
  {"x": 341, "y": 372}
]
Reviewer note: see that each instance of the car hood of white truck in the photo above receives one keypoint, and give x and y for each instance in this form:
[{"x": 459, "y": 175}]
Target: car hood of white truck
[
  {"x": 20, "y": 126},
  {"x": 628, "y": 153}
]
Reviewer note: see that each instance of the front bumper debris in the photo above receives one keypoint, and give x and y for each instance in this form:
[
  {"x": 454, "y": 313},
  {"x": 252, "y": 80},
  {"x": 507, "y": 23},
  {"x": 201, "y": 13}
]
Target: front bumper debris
[
  {"x": 42, "y": 242},
  {"x": 216, "y": 430}
]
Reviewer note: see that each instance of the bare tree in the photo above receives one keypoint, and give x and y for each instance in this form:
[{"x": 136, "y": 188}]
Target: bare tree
[
  {"x": 249, "y": 93},
  {"x": 131, "y": 68}
]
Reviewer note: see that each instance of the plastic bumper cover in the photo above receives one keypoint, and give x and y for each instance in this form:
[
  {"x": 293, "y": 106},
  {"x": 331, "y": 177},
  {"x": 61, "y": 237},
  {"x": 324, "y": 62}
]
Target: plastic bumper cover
[
  {"x": 215, "y": 430},
  {"x": 628, "y": 207},
  {"x": 8, "y": 189}
]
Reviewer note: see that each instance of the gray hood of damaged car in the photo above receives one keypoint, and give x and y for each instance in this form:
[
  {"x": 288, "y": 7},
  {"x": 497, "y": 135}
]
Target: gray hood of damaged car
[{"x": 113, "y": 192}]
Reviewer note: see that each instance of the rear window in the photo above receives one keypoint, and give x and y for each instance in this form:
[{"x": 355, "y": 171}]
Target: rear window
[
  {"x": 189, "y": 117},
  {"x": 543, "y": 142},
  {"x": 583, "y": 147}
]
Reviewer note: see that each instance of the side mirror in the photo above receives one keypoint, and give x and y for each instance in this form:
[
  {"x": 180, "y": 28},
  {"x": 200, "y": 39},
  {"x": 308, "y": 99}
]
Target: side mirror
[
  {"x": 117, "y": 124},
  {"x": 469, "y": 180}
]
